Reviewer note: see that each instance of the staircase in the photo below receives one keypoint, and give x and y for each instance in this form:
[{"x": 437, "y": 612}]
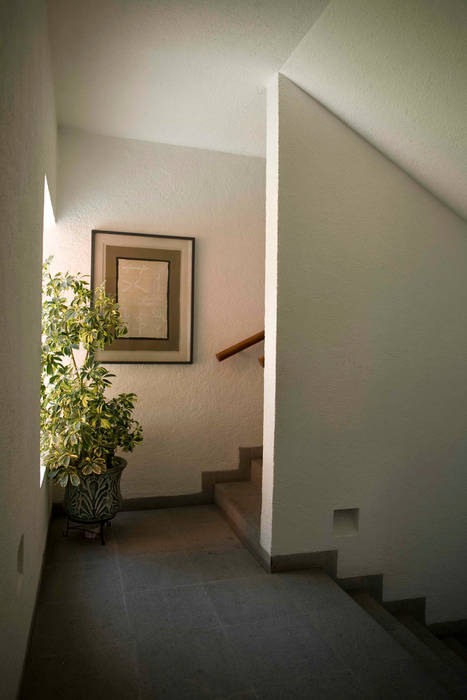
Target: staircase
[
  {"x": 447, "y": 667},
  {"x": 442, "y": 664},
  {"x": 241, "y": 503}
]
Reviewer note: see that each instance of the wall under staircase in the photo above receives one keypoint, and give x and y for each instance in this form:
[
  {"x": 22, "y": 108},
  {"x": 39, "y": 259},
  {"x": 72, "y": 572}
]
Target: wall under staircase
[
  {"x": 444, "y": 661},
  {"x": 365, "y": 400}
]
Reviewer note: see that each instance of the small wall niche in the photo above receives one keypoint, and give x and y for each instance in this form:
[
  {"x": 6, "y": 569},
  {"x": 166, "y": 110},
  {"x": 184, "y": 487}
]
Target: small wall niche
[{"x": 345, "y": 522}]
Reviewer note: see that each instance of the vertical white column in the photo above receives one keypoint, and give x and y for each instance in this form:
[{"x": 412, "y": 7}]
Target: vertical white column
[{"x": 272, "y": 193}]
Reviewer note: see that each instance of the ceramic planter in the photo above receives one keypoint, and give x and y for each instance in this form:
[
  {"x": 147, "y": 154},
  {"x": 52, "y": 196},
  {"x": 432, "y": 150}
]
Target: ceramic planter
[{"x": 98, "y": 496}]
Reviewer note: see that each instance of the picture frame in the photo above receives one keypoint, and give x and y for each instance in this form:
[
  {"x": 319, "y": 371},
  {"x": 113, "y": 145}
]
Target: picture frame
[{"x": 151, "y": 276}]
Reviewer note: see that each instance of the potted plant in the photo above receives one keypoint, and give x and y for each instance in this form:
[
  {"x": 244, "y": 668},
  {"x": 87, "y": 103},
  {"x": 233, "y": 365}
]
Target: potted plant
[{"x": 81, "y": 425}]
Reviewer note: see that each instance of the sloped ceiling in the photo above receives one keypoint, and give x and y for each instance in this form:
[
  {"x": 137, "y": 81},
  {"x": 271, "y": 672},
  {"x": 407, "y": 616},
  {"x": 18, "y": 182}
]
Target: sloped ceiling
[
  {"x": 396, "y": 71},
  {"x": 186, "y": 72},
  {"x": 194, "y": 73}
]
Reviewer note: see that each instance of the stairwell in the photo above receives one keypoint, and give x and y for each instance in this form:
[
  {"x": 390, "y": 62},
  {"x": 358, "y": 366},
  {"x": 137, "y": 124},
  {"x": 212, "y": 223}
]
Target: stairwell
[
  {"x": 442, "y": 661},
  {"x": 447, "y": 667}
]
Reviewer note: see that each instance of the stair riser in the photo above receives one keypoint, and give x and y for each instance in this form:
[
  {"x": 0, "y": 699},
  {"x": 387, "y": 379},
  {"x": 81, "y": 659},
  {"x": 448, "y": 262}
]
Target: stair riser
[{"x": 257, "y": 472}]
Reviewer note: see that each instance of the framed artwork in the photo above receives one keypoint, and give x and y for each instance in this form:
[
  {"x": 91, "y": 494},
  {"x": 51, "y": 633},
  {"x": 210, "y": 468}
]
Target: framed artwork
[{"x": 151, "y": 277}]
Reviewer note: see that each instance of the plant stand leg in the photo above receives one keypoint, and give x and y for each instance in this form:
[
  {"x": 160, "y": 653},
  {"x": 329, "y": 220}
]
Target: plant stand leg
[
  {"x": 109, "y": 523},
  {"x": 67, "y": 529},
  {"x": 102, "y": 532}
]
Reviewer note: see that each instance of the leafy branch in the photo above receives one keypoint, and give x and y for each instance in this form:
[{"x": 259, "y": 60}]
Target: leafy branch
[{"x": 80, "y": 427}]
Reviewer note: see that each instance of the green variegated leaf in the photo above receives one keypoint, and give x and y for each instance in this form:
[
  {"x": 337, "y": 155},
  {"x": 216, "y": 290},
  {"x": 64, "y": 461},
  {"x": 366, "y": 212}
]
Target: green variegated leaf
[{"x": 75, "y": 412}]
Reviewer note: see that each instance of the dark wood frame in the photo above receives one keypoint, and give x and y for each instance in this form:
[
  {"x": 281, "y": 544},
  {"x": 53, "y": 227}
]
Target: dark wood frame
[{"x": 155, "y": 236}]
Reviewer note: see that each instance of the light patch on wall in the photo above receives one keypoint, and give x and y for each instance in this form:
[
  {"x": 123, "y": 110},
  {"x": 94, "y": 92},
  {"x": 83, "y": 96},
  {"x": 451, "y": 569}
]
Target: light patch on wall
[
  {"x": 48, "y": 232},
  {"x": 49, "y": 228},
  {"x": 49, "y": 216}
]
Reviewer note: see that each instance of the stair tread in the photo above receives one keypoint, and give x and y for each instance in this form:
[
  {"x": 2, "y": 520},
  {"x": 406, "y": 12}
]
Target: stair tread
[{"x": 445, "y": 672}]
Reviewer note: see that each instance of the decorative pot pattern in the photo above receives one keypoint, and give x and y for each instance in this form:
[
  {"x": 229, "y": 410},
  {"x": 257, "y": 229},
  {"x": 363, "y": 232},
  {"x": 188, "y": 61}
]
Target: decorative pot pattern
[{"x": 98, "y": 496}]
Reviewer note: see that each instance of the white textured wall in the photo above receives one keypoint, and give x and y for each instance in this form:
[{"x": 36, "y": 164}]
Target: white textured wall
[
  {"x": 395, "y": 71},
  {"x": 270, "y": 313},
  {"x": 27, "y": 152},
  {"x": 371, "y": 368},
  {"x": 194, "y": 417}
]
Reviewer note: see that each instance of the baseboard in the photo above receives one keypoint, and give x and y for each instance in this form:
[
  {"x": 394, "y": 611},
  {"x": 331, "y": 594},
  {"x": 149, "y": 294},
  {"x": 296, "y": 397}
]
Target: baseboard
[
  {"x": 208, "y": 481},
  {"x": 151, "y": 502},
  {"x": 155, "y": 502},
  {"x": 326, "y": 560}
]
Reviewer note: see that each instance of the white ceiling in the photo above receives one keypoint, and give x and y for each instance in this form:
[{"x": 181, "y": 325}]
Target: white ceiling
[
  {"x": 396, "y": 72},
  {"x": 194, "y": 73},
  {"x": 186, "y": 72}
]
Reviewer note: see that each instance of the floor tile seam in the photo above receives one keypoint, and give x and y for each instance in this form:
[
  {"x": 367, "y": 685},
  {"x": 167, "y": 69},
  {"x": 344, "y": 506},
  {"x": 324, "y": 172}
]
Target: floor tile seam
[
  {"x": 261, "y": 576},
  {"x": 254, "y": 623},
  {"x": 233, "y": 648},
  {"x": 223, "y": 629},
  {"x": 288, "y": 620},
  {"x": 136, "y": 666},
  {"x": 229, "y": 579},
  {"x": 187, "y": 550},
  {"x": 216, "y": 614},
  {"x": 171, "y": 635},
  {"x": 310, "y": 610},
  {"x": 155, "y": 589},
  {"x": 219, "y": 548},
  {"x": 199, "y": 583},
  {"x": 128, "y": 556}
]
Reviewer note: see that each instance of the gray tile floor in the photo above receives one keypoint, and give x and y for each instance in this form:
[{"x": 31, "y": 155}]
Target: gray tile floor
[{"x": 174, "y": 607}]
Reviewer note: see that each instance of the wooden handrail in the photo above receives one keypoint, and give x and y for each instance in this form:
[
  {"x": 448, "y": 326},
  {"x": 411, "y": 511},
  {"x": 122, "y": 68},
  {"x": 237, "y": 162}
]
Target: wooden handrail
[{"x": 242, "y": 345}]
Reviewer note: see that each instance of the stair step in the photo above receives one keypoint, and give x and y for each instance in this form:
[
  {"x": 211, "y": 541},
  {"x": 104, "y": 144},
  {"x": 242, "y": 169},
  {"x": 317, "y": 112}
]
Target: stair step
[
  {"x": 257, "y": 472},
  {"x": 457, "y": 647},
  {"x": 428, "y": 638},
  {"x": 241, "y": 503},
  {"x": 440, "y": 666}
]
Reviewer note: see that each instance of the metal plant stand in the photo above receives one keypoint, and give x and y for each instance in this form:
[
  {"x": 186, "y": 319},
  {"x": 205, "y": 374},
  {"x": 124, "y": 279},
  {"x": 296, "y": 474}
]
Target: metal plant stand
[{"x": 82, "y": 526}]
